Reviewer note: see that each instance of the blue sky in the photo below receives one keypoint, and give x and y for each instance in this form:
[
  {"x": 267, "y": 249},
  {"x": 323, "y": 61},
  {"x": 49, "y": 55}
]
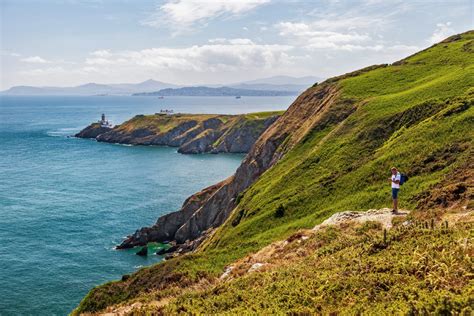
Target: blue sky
[{"x": 63, "y": 43}]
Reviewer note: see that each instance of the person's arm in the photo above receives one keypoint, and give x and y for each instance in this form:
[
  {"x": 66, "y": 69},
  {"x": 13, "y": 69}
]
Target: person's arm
[{"x": 397, "y": 179}]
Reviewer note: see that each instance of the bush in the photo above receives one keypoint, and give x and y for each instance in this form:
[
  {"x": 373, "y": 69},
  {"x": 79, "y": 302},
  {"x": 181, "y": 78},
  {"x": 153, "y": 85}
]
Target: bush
[{"x": 280, "y": 211}]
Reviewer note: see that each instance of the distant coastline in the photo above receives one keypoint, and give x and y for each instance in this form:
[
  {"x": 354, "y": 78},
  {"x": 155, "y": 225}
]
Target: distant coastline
[
  {"x": 273, "y": 86},
  {"x": 217, "y": 92}
]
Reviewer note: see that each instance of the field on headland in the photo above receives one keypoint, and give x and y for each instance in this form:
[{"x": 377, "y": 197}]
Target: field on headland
[{"x": 192, "y": 133}]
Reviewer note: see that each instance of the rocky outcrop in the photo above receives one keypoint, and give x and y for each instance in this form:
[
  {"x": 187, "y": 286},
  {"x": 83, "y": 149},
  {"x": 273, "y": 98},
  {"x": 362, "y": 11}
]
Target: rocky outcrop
[
  {"x": 92, "y": 131},
  {"x": 193, "y": 134},
  {"x": 212, "y": 206},
  {"x": 167, "y": 225},
  {"x": 143, "y": 252}
]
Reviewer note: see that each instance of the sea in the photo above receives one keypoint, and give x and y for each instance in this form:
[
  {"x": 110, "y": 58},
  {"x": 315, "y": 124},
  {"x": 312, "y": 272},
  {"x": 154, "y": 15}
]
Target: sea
[{"x": 66, "y": 202}]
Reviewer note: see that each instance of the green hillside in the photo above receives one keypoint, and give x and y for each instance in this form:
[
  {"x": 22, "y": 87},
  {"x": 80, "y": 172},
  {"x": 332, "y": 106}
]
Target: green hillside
[{"x": 415, "y": 114}]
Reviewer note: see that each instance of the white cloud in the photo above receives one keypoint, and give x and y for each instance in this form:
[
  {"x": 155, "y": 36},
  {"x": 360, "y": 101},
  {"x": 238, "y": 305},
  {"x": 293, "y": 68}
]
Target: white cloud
[
  {"x": 44, "y": 71},
  {"x": 9, "y": 53},
  {"x": 346, "y": 33},
  {"x": 182, "y": 14},
  {"x": 313, "y": 36},
  {"x": 35, "y": 60},
  {"x": 100, "y": 61},
  {"x": 89, "y": 69},
  {"x": 219, "y": 54},
  {"x": 442, "y": 31},
  {"x": 101, "y": 53}
]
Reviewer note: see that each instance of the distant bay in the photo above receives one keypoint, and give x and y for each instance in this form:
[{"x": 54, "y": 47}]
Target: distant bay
[{"x": 65, "y": 202}]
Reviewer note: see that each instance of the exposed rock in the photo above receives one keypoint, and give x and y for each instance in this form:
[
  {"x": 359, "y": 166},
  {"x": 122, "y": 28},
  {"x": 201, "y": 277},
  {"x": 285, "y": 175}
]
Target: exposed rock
[
  {"x": 255, "y": 267},
  {"x": 164, "y": 251},
  {"x": 143, "y": 252},
  {"x": 212, "y": 206},
  {"x": 167, "y": 225},
  {"x": 383, "y": 216},
  {"x": 125, "y": 277},
  {"x": 92, "y": 131},
  {"x": 227, "y": 272}
]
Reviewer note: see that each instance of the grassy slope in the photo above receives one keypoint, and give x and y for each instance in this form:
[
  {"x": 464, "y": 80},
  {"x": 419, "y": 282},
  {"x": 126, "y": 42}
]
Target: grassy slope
[
  {"x": 162, "y": 123},
  {"x": 416, "y": 114},
  {"x": 351, "y": 270}
]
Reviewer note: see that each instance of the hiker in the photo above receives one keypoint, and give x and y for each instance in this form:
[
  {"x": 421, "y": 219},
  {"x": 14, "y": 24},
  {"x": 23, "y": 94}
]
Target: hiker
[{"x": 395, "y": 181}]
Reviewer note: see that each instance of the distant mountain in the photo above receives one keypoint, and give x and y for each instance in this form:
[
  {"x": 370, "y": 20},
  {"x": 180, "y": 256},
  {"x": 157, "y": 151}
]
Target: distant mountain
[
  {"x": 221, "y": 91},
  {"x": 92, "y": 89},
  {"x": 285, "y": 80},
  {"x": 274, "y": 87},
  {"x": 149, "y": 85},
  {"x": 278, "y": 85}
]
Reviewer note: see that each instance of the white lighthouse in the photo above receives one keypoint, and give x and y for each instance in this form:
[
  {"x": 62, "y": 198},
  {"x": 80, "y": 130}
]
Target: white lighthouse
[{"x": 105, "y": 123}]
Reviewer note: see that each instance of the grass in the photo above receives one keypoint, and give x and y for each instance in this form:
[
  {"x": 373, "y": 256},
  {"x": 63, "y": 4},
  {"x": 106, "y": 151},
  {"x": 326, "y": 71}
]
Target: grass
[
  {"x": 417, "y": 115},
  {"x": 351, "y": 270},
  {"x": 161, "y": 123}
]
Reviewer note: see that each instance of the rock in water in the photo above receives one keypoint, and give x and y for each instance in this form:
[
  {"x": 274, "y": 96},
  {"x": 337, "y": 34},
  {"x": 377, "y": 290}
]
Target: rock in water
[
  {"x": 92, "y": 131},
  {"x": 163, "y": 251},
  {"x": 143, "y": 252}
]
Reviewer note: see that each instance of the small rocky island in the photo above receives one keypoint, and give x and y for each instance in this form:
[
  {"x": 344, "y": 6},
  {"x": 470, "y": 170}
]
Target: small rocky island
[{"x": 191, "y": 133}]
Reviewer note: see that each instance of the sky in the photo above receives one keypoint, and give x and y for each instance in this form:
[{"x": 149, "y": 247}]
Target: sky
[{"x": 72, "y": 42}]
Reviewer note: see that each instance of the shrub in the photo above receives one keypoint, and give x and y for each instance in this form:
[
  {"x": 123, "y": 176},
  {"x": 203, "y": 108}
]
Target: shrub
[{"x": 280, "y": 211}]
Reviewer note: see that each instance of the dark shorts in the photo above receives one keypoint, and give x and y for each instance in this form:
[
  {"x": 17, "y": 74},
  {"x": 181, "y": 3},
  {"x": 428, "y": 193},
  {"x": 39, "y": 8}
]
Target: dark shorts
[{"x": 395, "y": 193}]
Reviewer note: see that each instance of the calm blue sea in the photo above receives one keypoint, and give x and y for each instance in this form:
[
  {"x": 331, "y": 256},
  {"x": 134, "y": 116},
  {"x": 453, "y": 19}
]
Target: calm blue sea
[{"x": 65, "y": 202}]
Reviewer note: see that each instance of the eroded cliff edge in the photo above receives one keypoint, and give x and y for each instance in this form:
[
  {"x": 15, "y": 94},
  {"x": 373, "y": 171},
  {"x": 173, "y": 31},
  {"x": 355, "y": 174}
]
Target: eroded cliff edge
[
  {"x": 210, "y": 208},
  {"x": 340, "y": 139},
  {"x": 191, "y": 133}
]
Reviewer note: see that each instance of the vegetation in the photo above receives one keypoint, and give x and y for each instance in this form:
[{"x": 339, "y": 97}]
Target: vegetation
[
  {"x": 161, "y": 123},
  {"x": 416, "y": 114},
  {"x": 350, "y": 270}
]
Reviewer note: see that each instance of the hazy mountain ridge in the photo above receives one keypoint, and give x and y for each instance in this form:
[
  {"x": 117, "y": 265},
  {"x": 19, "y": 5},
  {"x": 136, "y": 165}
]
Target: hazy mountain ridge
[
  {"x": 91, "y": 89},
  {"x": 221, "y": 91}
]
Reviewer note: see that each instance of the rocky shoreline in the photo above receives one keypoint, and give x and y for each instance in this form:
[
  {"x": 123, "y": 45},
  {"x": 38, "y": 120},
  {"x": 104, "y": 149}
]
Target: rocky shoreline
[
  {"x": 186, "y": 228},
  {"x": 192, "y": 134},
  {"x": 206, "y": 210}
]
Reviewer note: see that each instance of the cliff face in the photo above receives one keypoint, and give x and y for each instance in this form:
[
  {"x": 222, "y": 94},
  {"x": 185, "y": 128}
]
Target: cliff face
[
  {"x": 193, "y": 134},
  {"x": 211, "y": 207},
  {"x": 331, "y": 152},
  {"x": 92, "y": 131}
]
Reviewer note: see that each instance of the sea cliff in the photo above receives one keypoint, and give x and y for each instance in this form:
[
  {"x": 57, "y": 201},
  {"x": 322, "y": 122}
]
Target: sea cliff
[
  {"x": 191, "y": 133},
  {"x": 331, "y": 152}
]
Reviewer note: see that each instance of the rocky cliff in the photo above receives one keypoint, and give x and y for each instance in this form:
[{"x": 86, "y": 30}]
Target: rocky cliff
[
  {"x": 192, "y": 133},
  {"x": 331, "y": 151},
  {"x": 211, "y": 207}
]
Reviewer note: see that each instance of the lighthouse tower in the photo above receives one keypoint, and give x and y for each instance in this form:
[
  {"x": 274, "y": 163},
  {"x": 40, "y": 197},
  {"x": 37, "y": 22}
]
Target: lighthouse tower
[{"x": 105, "y": 123}]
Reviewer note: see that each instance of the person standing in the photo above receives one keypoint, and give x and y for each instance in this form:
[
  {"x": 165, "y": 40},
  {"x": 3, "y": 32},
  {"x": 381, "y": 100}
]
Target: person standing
[{"x": 395, "y": 181}]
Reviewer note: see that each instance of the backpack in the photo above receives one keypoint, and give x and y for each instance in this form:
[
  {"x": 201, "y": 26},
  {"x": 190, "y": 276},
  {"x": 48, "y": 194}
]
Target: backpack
[{"x": 403, "y": 178}]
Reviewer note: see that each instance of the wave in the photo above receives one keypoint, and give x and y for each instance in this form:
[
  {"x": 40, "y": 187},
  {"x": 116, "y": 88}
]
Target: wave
[{"x": 63, "y": 132}]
